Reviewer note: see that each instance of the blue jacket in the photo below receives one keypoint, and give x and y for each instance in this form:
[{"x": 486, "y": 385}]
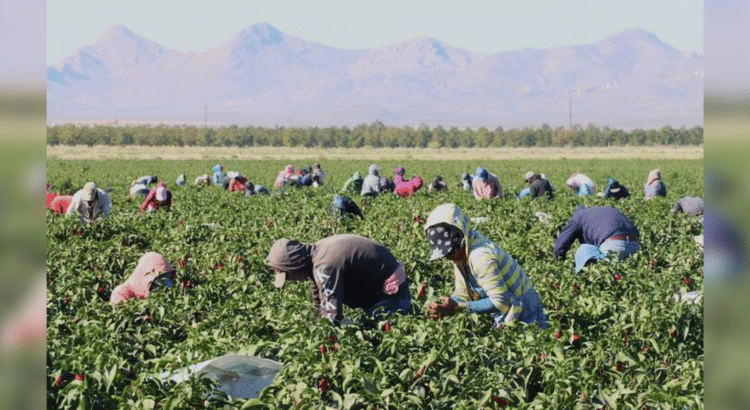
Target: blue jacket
[{"x": 592, "y": 226}]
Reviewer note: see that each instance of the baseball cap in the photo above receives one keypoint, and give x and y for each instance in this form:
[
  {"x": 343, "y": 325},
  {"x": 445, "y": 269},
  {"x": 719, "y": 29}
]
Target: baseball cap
[
  {"x": 89, "y": 191},
  {"x": 529, "y": 175}
]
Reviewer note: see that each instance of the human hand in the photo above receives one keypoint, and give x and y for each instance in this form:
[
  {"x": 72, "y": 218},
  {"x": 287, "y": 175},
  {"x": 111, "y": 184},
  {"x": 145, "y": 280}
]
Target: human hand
[{"x": 447, "y": 307}]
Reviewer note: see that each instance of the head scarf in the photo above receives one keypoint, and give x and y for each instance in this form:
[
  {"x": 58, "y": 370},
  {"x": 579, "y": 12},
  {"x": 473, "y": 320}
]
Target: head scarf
[
  {"x": 374, "y": 170},
  {"x": 482, "y": 174},
  {"x": 444, "y": 240},
  {"x": 289, "y": 256},
  {"x": 653, "y": 176}
]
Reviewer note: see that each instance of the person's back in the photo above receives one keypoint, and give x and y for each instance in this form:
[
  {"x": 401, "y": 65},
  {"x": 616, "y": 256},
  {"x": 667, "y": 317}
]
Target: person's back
[
  {"x": 615, "y": 190},
  {"x": 361, "y": 262},
  {"x": 60, "y": 204},
  {"x": 181, "y": 180},
  {"x": 410, "y": 187},
  {"x": 654, "y": 186},
  {"x": 690, "y": 205},
  {"x": 353, "y": 186},
  {"x": 539, "y": 186},
  {"x": 486, "y": 185},
  {"x": 371, "y": 184},
  {"x": 593, "y": 226}
]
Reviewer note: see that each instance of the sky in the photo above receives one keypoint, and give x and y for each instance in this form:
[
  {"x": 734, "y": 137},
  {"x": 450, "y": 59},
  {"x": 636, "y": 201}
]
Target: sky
[{"x": 487, "y": 26}]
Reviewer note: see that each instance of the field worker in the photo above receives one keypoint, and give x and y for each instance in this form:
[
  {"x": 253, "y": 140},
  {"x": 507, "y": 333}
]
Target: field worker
[
  {"x": 466, "y": 181},
  {"x": 615, "y": 190},
  {"x": 654, "y": 186},
  {"x": 353, "y": 185},
  {"x": 60, "y": 204},
  {"x": 318, "y": 176},
  {"x": 90, "y": 203},
  {"x": 218, "y": 174},
  {"x": 371, "y": 184},
  {"x": 386, "y": 185},
  {"x": 398, "y": 175},
  {"x": 138, "y": 188},
  {"x": 158, "y": 198},
  {"x": 581, "y": 184},
  {"x": 252, "y": 189},
  {"x": 237, "y": 184},
  {"x": 538, "y": 186},
  {"x": 346, "y": 270},
  {"x": 437, "y": 184},
  {"x": 408, "y": 188},
  {"x": 690, "y": 205},
  {"x": 181, "y": 180},
  {"x": 153, "y": 271},
  {"x": 487, "y": 279},
  {"x": 284, "y": 176},
  {"x": 599, "y": 230},
  {"x": 147, "y": 180},
  {"x": 343, "y": 206},
  {"x": 486, "y": 185},
  {"x": 204, "y": 180},
  {"x": 304, "y": 177}
]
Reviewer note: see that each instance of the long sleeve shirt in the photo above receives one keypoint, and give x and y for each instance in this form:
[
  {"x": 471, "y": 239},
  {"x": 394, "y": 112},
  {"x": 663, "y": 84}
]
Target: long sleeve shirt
[
  {"x": 408, "y": 188},
  {"x": 656, "y": 188},
  {"x": 371, "y": 185},
  {"x": 89, "y": 213},
  {"x": 689, "y": 205},
  {"x": 491, "y": 280},
  {"x": 592, "y": 226},
  {"x": 488, "y": 189},
  {"x": 349, "y": 270},
  {"x": 539, "y": 187},
  {"x": 150, "y": 203}
]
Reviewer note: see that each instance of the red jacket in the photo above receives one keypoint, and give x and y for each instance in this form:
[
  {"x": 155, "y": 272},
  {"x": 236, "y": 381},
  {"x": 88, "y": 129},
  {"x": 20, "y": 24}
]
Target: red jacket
[
  {"x": 151, "y": 201},
  {"x": 408, "y": 188}
]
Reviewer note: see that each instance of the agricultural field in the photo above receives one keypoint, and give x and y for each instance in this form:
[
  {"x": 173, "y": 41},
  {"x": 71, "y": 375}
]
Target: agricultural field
[{"x": 617, "y": 337}]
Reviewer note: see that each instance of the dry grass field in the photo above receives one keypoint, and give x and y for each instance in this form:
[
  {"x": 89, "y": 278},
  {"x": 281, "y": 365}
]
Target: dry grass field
[{"x": 260, "y": 153}]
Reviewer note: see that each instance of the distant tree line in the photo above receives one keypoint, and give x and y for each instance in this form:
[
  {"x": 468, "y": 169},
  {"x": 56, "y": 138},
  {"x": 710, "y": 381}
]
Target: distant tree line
[{"x": 373, "y": 135}]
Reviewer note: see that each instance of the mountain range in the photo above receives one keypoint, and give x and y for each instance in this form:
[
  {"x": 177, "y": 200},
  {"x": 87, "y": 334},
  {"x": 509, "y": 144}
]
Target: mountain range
[{"x": 264, "y": 77}]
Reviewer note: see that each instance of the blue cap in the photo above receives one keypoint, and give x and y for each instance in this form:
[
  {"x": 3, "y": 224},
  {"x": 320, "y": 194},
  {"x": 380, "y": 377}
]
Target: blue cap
[
  {"x": 586, "y": 253},
  {"x": 482, "y": 174}
]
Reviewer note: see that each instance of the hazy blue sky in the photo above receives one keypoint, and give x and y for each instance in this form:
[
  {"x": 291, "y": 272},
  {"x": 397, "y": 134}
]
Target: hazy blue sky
[{"x": 483, "y": 26}]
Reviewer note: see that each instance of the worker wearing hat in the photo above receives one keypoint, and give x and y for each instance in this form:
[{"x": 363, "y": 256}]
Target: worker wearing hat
[
  {"x": 487, "y": 279},
  {"x": 486, "y": 185},
  {"x": 91, "y": 203},
  {"x": 538, "y": 185},
  {"x": 346, "y": 270}
]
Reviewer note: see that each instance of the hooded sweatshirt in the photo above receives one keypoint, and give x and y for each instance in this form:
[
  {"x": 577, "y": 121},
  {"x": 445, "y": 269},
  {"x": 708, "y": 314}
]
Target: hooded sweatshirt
[
  {"x": 149, "y": 267},
  {"x": 345, "y": 269},
  {"x": 371, "y": 184},
  {"x": 490, "y": 270}
]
